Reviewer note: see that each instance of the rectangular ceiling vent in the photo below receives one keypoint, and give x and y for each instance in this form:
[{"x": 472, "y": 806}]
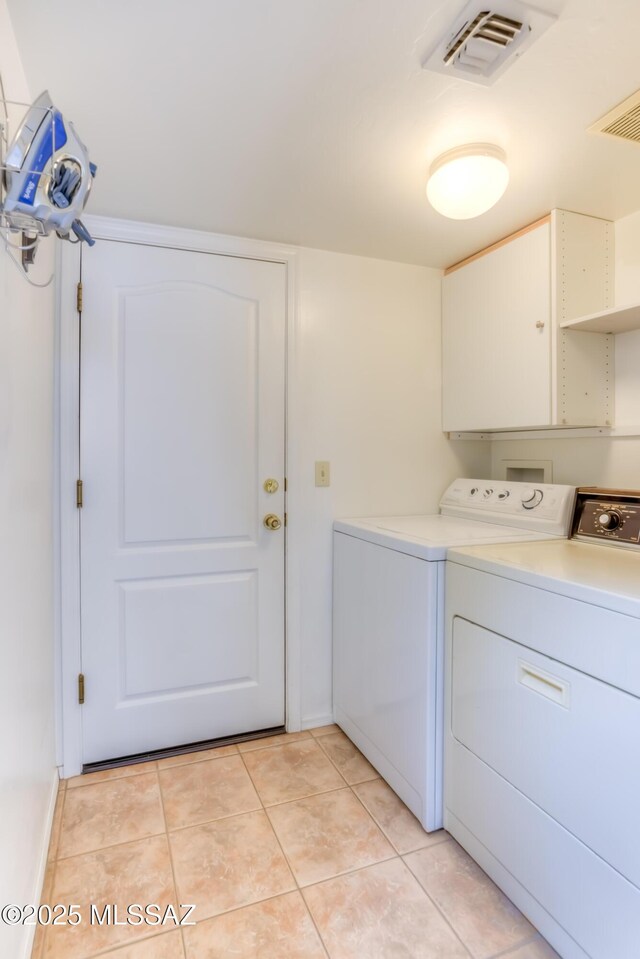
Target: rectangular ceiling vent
[
  {"x": 623, "y": 122},
  {"x": 486, "y": 38}
]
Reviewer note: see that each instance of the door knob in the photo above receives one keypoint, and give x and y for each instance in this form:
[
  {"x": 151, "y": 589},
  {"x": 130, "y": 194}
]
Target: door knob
[
  {"x": 271, "y": 486},
  {"x": 271, "y": 521}
]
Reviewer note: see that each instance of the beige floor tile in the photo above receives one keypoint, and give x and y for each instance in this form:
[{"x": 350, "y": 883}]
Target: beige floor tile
[
  {"x": 46, "y": 898},
  {"x": 279, "y": 928},
  {"x": 47, "y": 885},
  {"x": 347, "y": 759},
  {"x": 291, "y": 772},
  {"x": 538, "y": 949},
  {"x": 54, "y": 840},
  {"x": 281, "y": 740},
  {"x": 326, "y": 835},
  {"x": 398, "y": 824},
  {"x": 136, "y": 872},
  {"x": 486, "y": 921},
  {"x": 380, "y": 912},
  {"x": 200, "y": 792},
  {"x": 106, "y": 775},
  {"x": 198, "y": 757},
  {"x": 318, "y": 731},
  {"x": 229, "y": 863},
  {"x": 109, "y": 813},
  {"x": 168, "y": 945}
]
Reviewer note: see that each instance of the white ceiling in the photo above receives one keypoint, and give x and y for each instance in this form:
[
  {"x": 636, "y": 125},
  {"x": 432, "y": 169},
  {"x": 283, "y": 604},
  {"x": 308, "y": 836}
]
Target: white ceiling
[{"x": 312, "y": 122}]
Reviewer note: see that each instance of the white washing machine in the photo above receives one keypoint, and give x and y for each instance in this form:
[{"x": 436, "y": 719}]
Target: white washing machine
[
  {"x": 388, "y": 622},
  {"x": 542, "y": 719}
]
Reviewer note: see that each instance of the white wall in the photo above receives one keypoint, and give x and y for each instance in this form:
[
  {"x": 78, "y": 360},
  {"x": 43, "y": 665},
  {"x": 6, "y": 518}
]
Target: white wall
[
  {"x": 368, "y": 370},
  {"x": 601, "y": 461},
  {"x": 27, "y": 766}
]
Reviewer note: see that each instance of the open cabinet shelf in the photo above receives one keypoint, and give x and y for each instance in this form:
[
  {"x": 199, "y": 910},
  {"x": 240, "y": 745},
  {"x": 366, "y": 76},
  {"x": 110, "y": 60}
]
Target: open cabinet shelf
[{"x": 617, "y": 319}]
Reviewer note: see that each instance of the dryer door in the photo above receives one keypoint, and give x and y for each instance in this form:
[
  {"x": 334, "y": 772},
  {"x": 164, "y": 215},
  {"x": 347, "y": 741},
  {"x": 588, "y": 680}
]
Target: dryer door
[{"x": 567, "y": 741}]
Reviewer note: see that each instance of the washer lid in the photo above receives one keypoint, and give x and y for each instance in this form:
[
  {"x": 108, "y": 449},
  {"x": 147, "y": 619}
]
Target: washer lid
[{"x": 429, "y": 536}]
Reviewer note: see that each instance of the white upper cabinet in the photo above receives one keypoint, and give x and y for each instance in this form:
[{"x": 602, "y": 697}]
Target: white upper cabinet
[{"x": 507, "y": 363}]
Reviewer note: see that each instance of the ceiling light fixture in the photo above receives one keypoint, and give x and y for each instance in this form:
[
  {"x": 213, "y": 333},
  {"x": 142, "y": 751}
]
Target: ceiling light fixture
[{"x": 467, "y": 181}]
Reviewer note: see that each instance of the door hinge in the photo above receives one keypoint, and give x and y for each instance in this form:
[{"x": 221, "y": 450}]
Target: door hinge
[
  {"x": 79, "y": 297},
  {"x": 285, "y": 484},
  {"x": 81, "y": 689},
  {"x": 79, "y": 493},
  {"x": 285, "y": 519}
]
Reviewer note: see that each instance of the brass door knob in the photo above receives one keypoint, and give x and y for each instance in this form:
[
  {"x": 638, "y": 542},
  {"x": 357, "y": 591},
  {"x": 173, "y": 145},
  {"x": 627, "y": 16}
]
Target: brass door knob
[
  {"x": 271, "y": 521},
  {"x": 271, "y": 486}
]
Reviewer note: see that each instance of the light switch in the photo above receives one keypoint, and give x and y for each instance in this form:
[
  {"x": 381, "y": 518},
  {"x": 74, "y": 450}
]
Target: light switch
[{"x": 323, "y": 474}]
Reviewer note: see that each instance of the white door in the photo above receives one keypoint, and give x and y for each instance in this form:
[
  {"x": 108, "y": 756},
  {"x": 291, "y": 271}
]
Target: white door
[{"x": 182, "y": 421}]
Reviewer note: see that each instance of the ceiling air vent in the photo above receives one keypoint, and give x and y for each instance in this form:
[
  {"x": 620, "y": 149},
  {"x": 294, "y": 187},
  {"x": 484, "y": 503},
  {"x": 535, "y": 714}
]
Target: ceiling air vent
[
  {"x": 486, "y": 38},
  {"x": 623, "y": 121}
]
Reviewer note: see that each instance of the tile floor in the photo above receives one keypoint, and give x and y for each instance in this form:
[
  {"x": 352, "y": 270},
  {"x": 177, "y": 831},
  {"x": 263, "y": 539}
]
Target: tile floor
[{"x": 290, "y": 847}]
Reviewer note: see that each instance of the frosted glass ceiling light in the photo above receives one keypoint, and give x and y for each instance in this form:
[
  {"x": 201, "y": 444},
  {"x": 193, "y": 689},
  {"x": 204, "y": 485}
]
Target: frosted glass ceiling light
[{"x": 467, "y": 181}]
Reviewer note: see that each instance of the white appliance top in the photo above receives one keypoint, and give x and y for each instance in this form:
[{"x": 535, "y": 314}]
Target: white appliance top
[
  {"x": 472, "y": 511},
  {"x": 598, "y": 574}
]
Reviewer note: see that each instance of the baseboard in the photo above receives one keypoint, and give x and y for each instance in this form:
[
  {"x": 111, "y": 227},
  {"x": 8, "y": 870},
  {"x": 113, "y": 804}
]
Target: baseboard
[
  {"x": 30, "y": 931},
  {"x": 310, "y": 722}
]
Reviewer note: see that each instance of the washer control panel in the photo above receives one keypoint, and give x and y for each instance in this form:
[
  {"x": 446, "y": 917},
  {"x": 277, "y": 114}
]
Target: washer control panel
[
  {"x": 546, "y": 507},
  {"x": 516, "y": 493},
  {"x": 611, "y": 516}
]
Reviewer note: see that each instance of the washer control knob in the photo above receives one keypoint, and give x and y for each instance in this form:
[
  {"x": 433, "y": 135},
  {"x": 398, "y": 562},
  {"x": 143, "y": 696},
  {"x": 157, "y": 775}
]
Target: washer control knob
[
  {"x": 474, "y": 491},
  {"x": 531, "y": 498},
  {"x": 609, "y": 519},
  {"x": 488, "y": 492},
  {"x": 503, "y": 494}
]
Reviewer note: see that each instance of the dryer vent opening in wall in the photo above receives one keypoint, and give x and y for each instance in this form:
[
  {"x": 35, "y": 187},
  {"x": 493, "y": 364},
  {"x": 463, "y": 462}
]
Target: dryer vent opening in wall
[
  {"x": 486, "y": 38},
  {"x": 623, "y": 122},
  {"x": 525, "y": 471}
]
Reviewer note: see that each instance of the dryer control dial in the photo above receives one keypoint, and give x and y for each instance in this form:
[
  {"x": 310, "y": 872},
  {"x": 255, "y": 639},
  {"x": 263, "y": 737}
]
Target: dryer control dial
[
  {"x": 531, "y": 498},
  {"x": 610, "y": 519}
]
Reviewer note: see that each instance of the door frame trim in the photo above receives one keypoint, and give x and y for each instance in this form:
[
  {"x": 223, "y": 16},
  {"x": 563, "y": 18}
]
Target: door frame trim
[{"x": 66, "y": 439}]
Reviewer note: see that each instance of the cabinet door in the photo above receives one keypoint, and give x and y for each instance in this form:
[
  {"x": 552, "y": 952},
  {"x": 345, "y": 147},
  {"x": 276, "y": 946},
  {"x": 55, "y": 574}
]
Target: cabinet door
[{"x": 497, "y": 337}]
